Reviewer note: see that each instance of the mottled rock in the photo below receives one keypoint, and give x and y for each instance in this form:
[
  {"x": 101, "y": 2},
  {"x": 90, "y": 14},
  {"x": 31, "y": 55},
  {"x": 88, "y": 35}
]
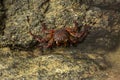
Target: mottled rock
[
  {"x": 14, "y": 65},
  {"x": 18, "y": 17},
  {"x": 23, "y": 16}
]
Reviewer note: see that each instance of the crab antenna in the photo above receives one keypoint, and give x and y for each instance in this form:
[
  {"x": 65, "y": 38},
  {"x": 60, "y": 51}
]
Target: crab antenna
[{"x": 77, "y": 27}]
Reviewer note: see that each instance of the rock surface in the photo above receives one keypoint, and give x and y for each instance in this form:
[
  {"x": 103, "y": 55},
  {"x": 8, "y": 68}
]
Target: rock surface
[
  {"x": 23, "y": 16},
  {"x": 19, "y": 60},
  {"x": 22, "y": 65}
]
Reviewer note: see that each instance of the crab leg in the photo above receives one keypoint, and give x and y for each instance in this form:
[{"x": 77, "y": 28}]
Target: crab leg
[
  {"x": 50, "y": 43},
  {"x": 73, "y": 39},
  {"x": 65, "y": 43},
  {"x": 44, "y": 29},
  {"x": 84, "y": 33},
  {"x": 35, "y": 36},
  {"x": 39, "y": 39}
]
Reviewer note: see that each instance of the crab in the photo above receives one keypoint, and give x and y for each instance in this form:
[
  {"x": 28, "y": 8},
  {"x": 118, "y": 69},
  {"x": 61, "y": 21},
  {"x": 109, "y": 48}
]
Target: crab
[{"x": 62, "y": 36}]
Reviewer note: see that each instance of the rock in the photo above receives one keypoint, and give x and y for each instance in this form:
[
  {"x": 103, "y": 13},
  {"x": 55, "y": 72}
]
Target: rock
[
  {"x": 2, "y": 17},
  {"x": 15, "y": 66},
  {"x": 19, "y": 58},
  {"x": 23, "y": 16}
]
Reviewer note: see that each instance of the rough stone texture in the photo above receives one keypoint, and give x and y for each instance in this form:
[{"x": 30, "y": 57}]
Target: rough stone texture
[
  {"x": 100, "y": 3},
  {"x": 106, "y": 32},
  {"x": 17, "y": 17},
  {"x": 47, "y": 67},
  {"x": 25, "y": 16},
  {"x": 17, "y": 24}
]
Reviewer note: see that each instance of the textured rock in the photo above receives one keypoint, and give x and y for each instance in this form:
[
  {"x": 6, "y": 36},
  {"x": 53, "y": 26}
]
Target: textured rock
[
  {"x": 14, "y": 65},
  {"x": 25, "y": 15},
  {"x": 18, "y": 17}
]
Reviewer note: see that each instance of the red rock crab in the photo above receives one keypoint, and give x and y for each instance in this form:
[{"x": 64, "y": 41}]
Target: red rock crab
[{"x": 62, "y": 36}]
